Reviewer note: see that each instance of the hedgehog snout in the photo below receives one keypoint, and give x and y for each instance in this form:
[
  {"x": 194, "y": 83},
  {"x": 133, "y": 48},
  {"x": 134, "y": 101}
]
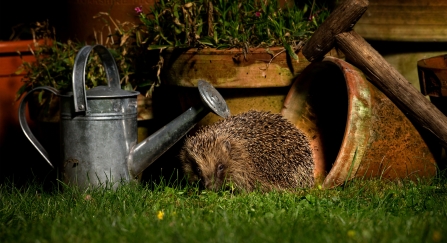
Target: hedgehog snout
[{"x": 211, "y": 183}]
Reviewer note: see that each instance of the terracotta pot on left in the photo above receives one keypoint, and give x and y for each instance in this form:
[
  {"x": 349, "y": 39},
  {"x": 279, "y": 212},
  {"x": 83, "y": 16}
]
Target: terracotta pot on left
[
  {"x": 13, "y": 144},
  {"x": 10, "y": 80}
]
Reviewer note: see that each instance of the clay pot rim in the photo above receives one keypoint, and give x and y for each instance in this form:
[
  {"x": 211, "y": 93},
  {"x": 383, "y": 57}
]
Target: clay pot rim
[
  {"x": 229, "y": 68},
  {"x": 215, "y": 51},
  {"x": 347, "y": 162},
  {"x": 428, "y": 62},
  {"x": 21, "y": 45}
]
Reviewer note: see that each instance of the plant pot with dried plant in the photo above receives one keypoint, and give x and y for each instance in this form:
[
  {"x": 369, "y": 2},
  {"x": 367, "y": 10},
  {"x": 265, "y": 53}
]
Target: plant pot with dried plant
[{"x": 249, "y": 50}]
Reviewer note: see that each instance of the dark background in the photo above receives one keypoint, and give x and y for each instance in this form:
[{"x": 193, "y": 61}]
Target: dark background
[{"x": 26, "y": 12}]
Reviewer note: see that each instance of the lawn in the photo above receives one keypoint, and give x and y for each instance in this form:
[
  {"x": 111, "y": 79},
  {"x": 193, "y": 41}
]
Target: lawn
[{"x": 360, "y": 211}]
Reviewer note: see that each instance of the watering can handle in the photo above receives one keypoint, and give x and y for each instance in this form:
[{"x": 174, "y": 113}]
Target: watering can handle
[
  {"x": 24, "y": 124},
  {"x": 113, "y": 78}
]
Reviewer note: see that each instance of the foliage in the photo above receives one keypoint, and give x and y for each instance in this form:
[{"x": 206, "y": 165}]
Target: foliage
[
  {"x": 55, "y": 60},
  {"x": 230, "y": 24},
  {"x": 176, "y": 23}
]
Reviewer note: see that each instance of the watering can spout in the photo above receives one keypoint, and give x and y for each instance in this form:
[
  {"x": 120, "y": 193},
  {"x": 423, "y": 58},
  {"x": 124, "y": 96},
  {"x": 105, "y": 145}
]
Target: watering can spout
[{"x": 146, "y": 152}]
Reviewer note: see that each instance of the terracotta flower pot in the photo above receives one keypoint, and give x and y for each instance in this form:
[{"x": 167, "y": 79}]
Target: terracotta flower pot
[
  {"x": 10, "y": 81},
  {"x": 432, "y": 73},
  {"x": 355, "y": 130},
  {"x": 254, "y": 82},
  {"x": 13, "y": 144},
  {"x": 433, "y": 79}
]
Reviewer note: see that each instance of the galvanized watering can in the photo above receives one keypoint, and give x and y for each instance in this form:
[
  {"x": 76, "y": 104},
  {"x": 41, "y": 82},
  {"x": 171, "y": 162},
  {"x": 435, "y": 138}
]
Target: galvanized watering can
[{"x": 99, "y": 127}]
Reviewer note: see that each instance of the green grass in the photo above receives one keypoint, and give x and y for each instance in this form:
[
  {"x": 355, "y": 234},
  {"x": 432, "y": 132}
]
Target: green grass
[{"x": 362, "y": 211}]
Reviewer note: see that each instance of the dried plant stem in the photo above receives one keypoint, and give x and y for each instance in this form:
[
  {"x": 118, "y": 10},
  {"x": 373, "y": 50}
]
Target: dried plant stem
[{"x": 295, "y": 49}]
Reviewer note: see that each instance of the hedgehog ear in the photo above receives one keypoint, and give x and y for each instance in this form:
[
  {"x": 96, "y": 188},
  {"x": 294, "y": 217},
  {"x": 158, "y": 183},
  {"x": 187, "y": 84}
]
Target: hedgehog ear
[{"x": 227, "y": 146}]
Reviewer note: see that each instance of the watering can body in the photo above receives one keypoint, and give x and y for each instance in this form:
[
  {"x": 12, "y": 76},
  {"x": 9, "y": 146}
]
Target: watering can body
[
  {"x": 99, "y": 131},
  {"x": 95, "y": 147}
]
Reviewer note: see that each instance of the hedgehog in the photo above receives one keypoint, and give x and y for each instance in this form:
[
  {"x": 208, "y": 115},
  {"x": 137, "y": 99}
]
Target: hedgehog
[{"x": 252, "y": 150}]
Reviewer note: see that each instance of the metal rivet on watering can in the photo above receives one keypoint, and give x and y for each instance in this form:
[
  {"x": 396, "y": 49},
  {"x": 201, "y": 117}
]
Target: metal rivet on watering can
[
  {"x": 355, "y": 131},
  {"x": 99, "y": 127}
]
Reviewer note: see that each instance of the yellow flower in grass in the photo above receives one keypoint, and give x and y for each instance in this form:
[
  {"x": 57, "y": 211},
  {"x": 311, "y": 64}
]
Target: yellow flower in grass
[
  {"x": 351, "y": 233},
  {"x": 160, "y": 215}
]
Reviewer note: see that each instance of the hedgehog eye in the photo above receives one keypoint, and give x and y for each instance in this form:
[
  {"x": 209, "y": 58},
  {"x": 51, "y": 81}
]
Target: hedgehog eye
[
  {"x": 199, "y": 171},
  {"x": 220, "y": 167}
]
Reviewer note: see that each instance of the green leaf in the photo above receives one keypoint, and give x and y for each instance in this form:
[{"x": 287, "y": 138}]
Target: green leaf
[
  {"x": 21, "y": 91},
  {"x": 157, "y": 47},
  {"x": 290, "y": 51},
  {"x": 113, "y": 52},
  {"x": 208, "y": 40},
  {"x": 223, "y": 46},
  {"x": 128, "y": 87},
  {"x": 175, "y": 12},
  {"x": 39, "y": 97},
  {"x": 145, "y": 83},
  {"x": 20, "y": 70},
  {"x": 94, "y": 82}
]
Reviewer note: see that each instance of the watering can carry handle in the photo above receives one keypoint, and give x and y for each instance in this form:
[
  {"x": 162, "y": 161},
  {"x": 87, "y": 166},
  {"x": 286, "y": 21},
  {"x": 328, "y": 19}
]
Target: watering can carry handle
[
  {"x": 113, "y": 78},
  {"x": 24, "y": 124}
]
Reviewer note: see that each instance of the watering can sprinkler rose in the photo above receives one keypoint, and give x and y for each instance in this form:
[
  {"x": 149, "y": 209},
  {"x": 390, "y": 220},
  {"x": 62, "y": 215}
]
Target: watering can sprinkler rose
[{"x": 99, "y": 127}]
